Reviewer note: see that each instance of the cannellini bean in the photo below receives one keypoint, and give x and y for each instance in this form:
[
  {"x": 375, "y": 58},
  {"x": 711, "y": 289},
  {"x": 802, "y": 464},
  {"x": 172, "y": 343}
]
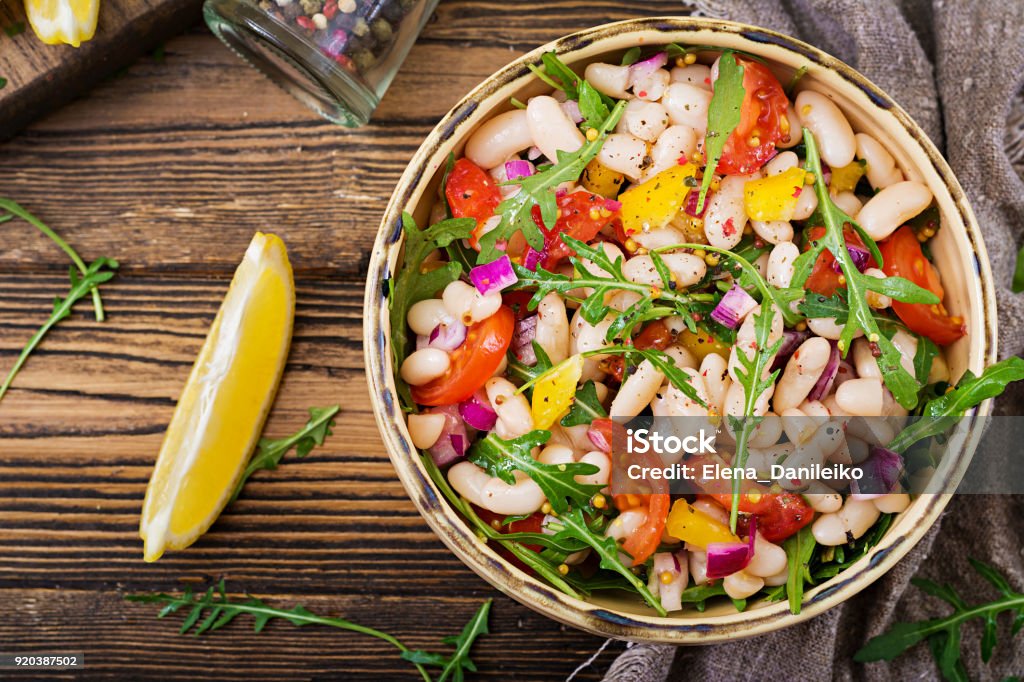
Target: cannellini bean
[
  {"x": 892, "y": 207},
  {"x": 864, "y": 361},
  {"x": 827, "y": 327},
  {"x": 848, "y": 203},
  {"x": 602, "y": 462},
  {"x": 500, "y": 176},
  {"x": 806, "y": 203},
  {"x": 697, "y": 75},
  {"x": 792, "y": 133},
  {"x": 499, "y": 138},
  {"x": 849, "y": 523},
  {"x": 687, "y": 105},
  {"x": 465, "y": 303},
  {"x": 715, "y": 372},
  {"x": 623, "y": 300},
  {"x": 687, "y": 268},
  {"x": 735, "y": 399},
  {"x": 741, "y": 584},
  {"x": 682, "y": 356},
  {"x": 652, "y": 86},
  {"x": 725, "y": 216},
  {"x": 831, "y": 130},
  {"x": 637, "y": 391},
  {"x": 761, "y": 264},
  {"x": 881, "y": 167},
  {"x": 814, "y": 408},
  {"x": 766, "y": 433},
  {"x": 643, "y": 119},
  {"x": 774, "y": 231},
  {"x": 745, "y": 339},
  {"x": 858, "y": 449},
  {"x": 608, "y": 79},
  {"x": 514, "y": 416},
  {"x": 625, "y": 524},
  {"x": 698, "y": 565},
  {"x": 782, "y": 162},
  {"x": 587, "y": 337},
  {"x": 624, "y": 153},
  {"x": 906, "y": 344},
  {"x": 425, "y": 429},
  {"x": 676, "y": 571},
  {"x": 780, "y": 264},
  {"x": 669, "y": 401},
  {"x": 676, "y": 142},
  {"x": 712, "y": 509},
  {"x": 425, "y": 315},
  {"x": 893, "y": 503},
  {"x": 798, "y": 427},
  {"x": 876, "y": 300},
  {"x": 861, "y": 397},
  {"x": 493, "y": 494},
  {"x": 556, "y": 454},
  {"x": 825, "y": 502},
  {"x": 656, "y": 239},
  {"x": 871, "y": 431},
  {"x": 768, "y": 559},
  {"x": 424, "y": 365},
  {"x": 802, "y": 371},
  {"x": 553, "y": 327},
  {"x": 551, "y": 128}
]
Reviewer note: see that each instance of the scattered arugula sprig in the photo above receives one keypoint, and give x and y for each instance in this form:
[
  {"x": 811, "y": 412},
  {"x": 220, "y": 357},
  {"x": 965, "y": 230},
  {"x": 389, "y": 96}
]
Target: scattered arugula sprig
[
  {"x": 944, "y": 634},
  {"x": 898, "y": 380},
  {"x": 539, "y": 190},
  {"x": 723, "y": 117},
  {"x": 585, "y": 407},
  {"x": 269, "y": 453},
  {"x": 799, "y": 553},
  {"x": 219, "y": 609}
]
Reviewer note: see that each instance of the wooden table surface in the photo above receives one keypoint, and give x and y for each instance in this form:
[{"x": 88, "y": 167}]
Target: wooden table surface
[{"x": 170, "y": 167}]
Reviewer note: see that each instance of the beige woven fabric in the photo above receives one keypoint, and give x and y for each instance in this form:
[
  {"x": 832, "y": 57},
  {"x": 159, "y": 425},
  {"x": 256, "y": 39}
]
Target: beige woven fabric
[{"x": 958, "y": 67}]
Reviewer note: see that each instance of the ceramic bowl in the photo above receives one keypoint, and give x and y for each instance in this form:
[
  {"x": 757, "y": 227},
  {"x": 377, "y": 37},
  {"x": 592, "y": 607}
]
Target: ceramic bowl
[{"x": 958, "y": 250}]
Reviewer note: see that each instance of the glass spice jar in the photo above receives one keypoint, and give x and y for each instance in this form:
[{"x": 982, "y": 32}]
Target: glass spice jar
[{"x": 335, "y": 56}]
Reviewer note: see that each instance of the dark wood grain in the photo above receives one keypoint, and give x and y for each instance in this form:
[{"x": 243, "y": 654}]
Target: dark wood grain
[{"x": 170, "y": 168}]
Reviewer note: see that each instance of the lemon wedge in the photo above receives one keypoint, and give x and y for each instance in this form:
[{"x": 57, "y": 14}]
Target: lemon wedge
[
  {"x": 63, "y": 21},
  {"x": 221, "y": 411}
]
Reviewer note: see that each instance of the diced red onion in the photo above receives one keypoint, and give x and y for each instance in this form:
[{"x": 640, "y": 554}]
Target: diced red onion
[
  {"x": 725, "y": 558},
  {"x": 733, "y": 307},
  {"x": 791, "y": 340},
  {"x": 522, "y": 340},
  {"x": 643, "y": 69},
  {"x": 532, "y": 258},
  {"x": 518, "y": 168},
  {"x": 599, "y": 440},
  {"x": 477, "y": 412},
  {"x": 572, "y": 109},
  {"x": 561, "y": 192},
  {"x": 613, "y": 205},
  {"x": 451, "y": 444},
  {"x": 446, "y": 336},
  {"x": 828, "y": 375},
  {"x": 859, "y": 256},
  {"x": 882, "y": 470},
  {"x": 493, "y": 276},
  {"x": 690, "y": 208}
]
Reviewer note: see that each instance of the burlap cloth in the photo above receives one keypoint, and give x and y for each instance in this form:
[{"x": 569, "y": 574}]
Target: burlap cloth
[{"x": 958, "y": 67}]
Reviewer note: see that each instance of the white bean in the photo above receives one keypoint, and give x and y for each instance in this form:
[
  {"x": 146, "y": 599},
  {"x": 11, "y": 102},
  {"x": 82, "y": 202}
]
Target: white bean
[
  {"x": 551, "y": 128},
  {"x": 876, "y": 300},
  {"x": 849, "y": 523},
  {"x": 425, "y": 315},
  {"x": 493, "y": 494},
  {"x": 682, "y": 356},
  {"x": 514, "y": 416},
  {"x": 499, "y": 138},
  {"x": 669, "y": 593},
  {"x": 604, "y": 465},
  {"x": 687, "y": 268},
  {"x": 861, "y": 397},
  {"x": 424, "y": 365},
  {"x": 881, "y": 167},
  {"x": 742, "y": 584},
  {"x": 624, "y": 154},
  {"x": 848, "y": 203},
  {"x": 725, "y": 217},
  {"x": 831, "y": 130},
  {"x": 802, "y": 371},
  {"x": 735, "y": 399},
  {"x": 643, "y": 119},
  {"x": 773, "y": 231},
  {"x": 827, "y": 327},
  {"x": 672, "y": 402},
  {"x": 768, "y": 559},
  {"x": 608, "y": 79},
  {"x": 766, "y": 433},
  {"x": 823, "y": 502},
  {"x": 780, "y": 264},
  {"x": 425, "y": 429},
  {"x": 781, "y": 163},
  {"x": 687, "y": 105},
  {"x": 676, "y": 142},
  {"x": 553, "y": 327},
  {"x": 556, "y": 454},
  {"x": 697, "y": 75},
  {"x": 587, "y": 337},
  {"x": 656, "y": 239},
  {"x": 698, "y": 565},
  {"x": 893, "y": 503},
  {"x": 652, "y": 86},
  {"x": 465, "y": 303},
  {"x": 798, "y": 427},
  {"x": 637, "y": 391},
  {"x": 745, "y": 340},
  {"x": 892, "y": 207},
  {"x": 806, "y": 203},
  {"x": 906, "y": 344},
  {"x": 715, "y": 372}
]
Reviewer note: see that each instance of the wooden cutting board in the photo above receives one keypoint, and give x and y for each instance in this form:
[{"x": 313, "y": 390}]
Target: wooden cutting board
[{"x": 41, "y": 77}]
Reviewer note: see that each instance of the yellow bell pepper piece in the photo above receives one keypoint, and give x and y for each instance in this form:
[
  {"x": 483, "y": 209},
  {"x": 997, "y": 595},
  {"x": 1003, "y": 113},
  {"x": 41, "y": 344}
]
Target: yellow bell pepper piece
[
  {"x": 553, "y": 394},
  {"x": 702, "y": 344},
  {"x": 653, "y": 204},
  {"x": 691, "y": 525},
  {"x": 846, "y": 178},
  {"x": 774, "y": 197},
  {"x": 600, "y": 179}
]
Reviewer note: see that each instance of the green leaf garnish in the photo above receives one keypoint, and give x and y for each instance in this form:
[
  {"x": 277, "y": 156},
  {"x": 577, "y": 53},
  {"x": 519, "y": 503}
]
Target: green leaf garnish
[
  {"x": 799, "y": 550},
  {"x": 924, "y": 357},
  {"x": 631, "y": 56},
  {"x": 585, "y": 407},
  {"x": 269, "y": 453},
  {"x": 723, "y": 116}
]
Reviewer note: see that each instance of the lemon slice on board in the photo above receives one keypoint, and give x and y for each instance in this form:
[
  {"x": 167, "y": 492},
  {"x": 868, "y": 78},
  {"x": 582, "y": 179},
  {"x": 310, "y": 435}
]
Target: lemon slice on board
[
  {"x": 221, "y": 411},
  {"x": 63, "y": 21}
]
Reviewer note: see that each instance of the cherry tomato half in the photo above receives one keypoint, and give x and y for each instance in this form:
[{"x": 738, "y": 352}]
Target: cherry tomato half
[
  {"x": 531, "y": 524},
  {"x": 472, "y": 363},
  {"x": 762, "y": 119},
  {"x": 654, "y": 335},
  {"x": 824, "y": 278},
  {"x": 471, "y": 193},
  {"x": 581, "y": 215},
  {"x": 903, "y": 258}
]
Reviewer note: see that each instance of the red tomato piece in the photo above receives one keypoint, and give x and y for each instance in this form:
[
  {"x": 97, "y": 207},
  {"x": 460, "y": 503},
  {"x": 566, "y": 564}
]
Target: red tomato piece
[
  {"x": 903, "y": 258},
  {"x": 654, "y": 335},
  {"x": 581, "y": 215},
  {"x": 824, "y": 279},
  {"x": 472, "y": 363},
  {"x": 472, "y": 193},
  {"x": 763, "y": 121}
]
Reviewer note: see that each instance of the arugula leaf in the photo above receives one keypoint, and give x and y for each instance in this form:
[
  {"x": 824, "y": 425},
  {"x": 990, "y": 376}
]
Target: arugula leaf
[
  {"x": 269, "y": 453},
  {"x": 923, "y": 359},
  {"x": 592, "y": 106},
  {"x": 901, "y": 289},
  {"x": 1018, "y": 274},
  {"x": 99, "y": 271},
  {"x": 944, "y": 634},
  {"x": 631, "y": 56},
  {"x": 799, "y": 550},
  {"x": 501, "y": 458},
  {"x": 539, "y": 190},
  {"x": 555, "y": 67},
  {"x": 459, "y": 662},
  {"x": 572, "y": 524},
  {"x": 723, "y": 117},
  {"x": 836, "y": 308},
  {"x": 585, "y": 407},
  {"x": 941, "y": 413},
  {"x": 797, "y": 77},
  {"x": 412, "y": 286},
  {"x": 898, "y": 380},
  {"x": 663, "y": 362}
]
